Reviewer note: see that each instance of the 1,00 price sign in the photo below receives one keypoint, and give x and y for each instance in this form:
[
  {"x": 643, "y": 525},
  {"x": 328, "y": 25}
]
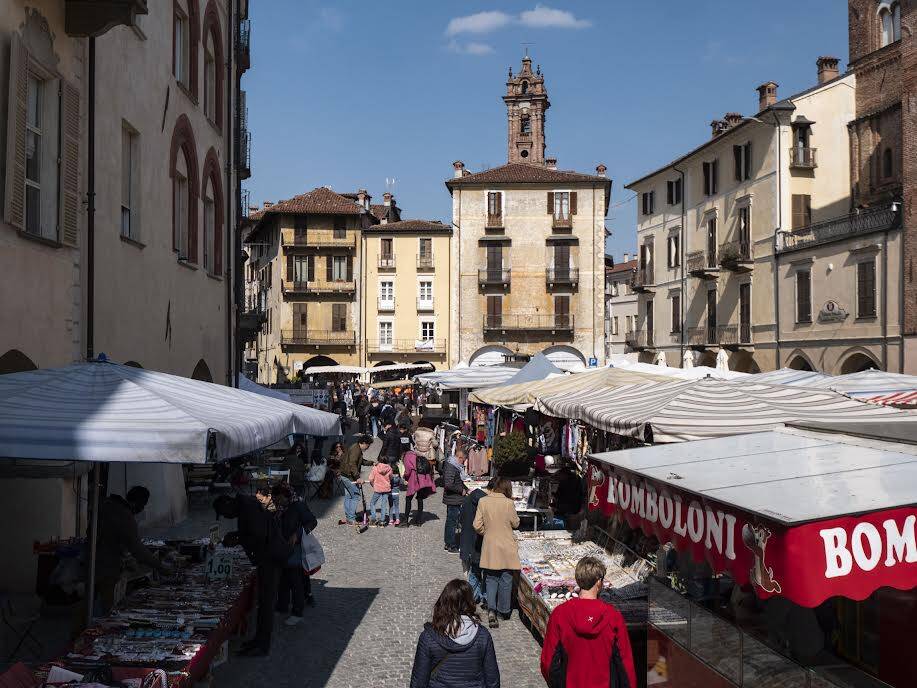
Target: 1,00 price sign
[{"x": 219, "y": 565}]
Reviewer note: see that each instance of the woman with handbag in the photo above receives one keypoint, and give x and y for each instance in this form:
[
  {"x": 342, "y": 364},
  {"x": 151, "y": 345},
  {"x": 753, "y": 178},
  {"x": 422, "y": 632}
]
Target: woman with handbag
[
  {"x": 456, "y": 650},
  {"x": 295, "y": 519}
]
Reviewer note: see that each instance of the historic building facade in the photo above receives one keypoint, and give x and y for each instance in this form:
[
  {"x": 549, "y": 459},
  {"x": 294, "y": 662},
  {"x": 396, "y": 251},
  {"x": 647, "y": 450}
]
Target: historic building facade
[
  {"x": 620, "y": 306},
  {"x": 527, "y": 250}
]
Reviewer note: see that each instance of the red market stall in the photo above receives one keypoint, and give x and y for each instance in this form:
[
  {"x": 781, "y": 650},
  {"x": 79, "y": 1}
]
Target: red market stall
[{"x": 789, "y": 557}]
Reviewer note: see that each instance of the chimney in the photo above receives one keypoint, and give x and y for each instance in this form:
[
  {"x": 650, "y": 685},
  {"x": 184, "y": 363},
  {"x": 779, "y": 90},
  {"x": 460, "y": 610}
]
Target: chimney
[
  {"x": 767, "y": 95},
  {"x": 459, "y": 168},
  {"x": 717, "y": 127},
  {"x": 600, "y": 169},
  {"x": 363, "y": 198},
  {"x": 268, "y": 204},
  {"x": 387, "y": 199},
  {"x": 827, "y": 68},
  {"x": 732, "y": 119},
  {"x": 551, "y": 163},
  {"x": 626, "y": 258}
]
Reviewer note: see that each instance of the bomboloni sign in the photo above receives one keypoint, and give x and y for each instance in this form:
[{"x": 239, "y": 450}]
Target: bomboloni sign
[{"x": 849, "y": 557}]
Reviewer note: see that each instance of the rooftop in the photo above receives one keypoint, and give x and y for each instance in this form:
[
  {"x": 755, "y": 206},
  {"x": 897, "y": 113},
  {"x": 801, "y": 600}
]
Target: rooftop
[
  {"x": 319, "y": 201},
  {"x": 629, "y": 266},
  {"x": 525, "y": 173},
  {"x": 410, "y": 226}
]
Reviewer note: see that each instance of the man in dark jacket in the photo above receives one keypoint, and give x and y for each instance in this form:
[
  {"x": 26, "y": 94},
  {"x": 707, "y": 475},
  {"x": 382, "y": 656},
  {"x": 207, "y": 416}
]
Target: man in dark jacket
[
  {"x": 253, "y": 534},
  {"x": 350, "y": 478},
  {"x": 391, "y": 443},
  {"x": 470, "y": 547},
  {"x": 453, "y": 494}
]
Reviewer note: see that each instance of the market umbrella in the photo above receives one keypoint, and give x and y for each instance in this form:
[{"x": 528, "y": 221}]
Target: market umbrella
[
  {"x": 679, "y": 411},
  {"x": 722, "y": 360},
  {"x": 687, "y": 361},
  {"x": 468, "y": 378},
  {"x": 660, "y": 360}
]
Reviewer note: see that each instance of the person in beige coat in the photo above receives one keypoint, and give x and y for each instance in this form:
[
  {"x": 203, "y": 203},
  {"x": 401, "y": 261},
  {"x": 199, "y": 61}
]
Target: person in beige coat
[{"x": 495, "y": 520}]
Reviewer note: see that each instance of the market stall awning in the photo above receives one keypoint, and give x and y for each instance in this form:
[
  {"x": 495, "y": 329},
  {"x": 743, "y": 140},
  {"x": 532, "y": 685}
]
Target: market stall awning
[
  {"x": 468, "y": 378},
  {"x": 334, "y": 370},
  {"x": 801, "y": 513},
  {"x": 678, "y": 411},
  {"x": 399, "y": 367},
  {"x": 692, "y": 373},
  {"x": 875, "y": 386},
  {"x": 791, "y": 376},
  {"x": 538, "y": 368},
  {"x": 522, "y": 396},
  {"x": 108, "y": 412},
  {"x": 247, "y": 385},
  {"x": 388, "y": 384}
]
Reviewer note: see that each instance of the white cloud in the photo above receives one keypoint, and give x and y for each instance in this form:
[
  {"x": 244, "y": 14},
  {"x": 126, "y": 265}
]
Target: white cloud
[
  {"x": 330, "y": 18},
  {"x": 472, "y": 48},
  {"x": 482, "y": 22},
  {"x": 543, "y": 17}
]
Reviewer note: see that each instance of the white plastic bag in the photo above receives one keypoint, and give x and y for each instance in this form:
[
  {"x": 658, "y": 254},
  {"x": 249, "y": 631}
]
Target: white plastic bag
[{"x": 313, "y": 556}]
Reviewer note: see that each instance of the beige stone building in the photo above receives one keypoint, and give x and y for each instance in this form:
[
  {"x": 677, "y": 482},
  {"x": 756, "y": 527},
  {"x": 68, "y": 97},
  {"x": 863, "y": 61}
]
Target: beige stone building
[
  {"x": 714, "y": 271},
  {"x": 527, "y": 253},
  {"x": 620, "y": 306},
  {"x": 407, "y": 297}
]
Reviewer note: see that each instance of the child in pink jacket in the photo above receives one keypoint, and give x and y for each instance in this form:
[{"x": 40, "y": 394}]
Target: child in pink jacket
[{"x": 380, "y": 477}]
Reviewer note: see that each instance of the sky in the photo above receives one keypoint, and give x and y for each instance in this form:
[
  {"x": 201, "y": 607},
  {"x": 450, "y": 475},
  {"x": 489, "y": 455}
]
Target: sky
[{"x": 356, "y": 93}]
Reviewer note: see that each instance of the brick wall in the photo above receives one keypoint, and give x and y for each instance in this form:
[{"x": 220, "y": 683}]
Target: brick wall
[{"x": 909, "y": 160}]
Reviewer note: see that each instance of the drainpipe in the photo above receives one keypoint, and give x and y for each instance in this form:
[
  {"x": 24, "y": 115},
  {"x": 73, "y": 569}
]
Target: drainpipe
[
  {"x": 885, "y": 300},
  {"x": 231, "y": 220},
  {"x": 594, "y": 277},
  {"x": 91, "y": 205},
  {"x": 236, "y": 258},
  {"x": 681, "y": 263},
  {"x": 779, "y": 170}
]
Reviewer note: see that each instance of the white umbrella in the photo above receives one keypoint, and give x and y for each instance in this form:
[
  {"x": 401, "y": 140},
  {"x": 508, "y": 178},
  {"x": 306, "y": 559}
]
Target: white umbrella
[
  {"x": 660, "y": 360},
  {"x": 687, "y": 361},
  {"x": 722, "y": 361}
]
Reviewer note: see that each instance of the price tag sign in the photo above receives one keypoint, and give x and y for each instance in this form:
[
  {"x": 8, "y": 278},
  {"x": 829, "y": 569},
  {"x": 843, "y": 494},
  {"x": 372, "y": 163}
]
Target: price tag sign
[
  {"x": 214, "y": 535},
  {"x": 219, "y": 565}
]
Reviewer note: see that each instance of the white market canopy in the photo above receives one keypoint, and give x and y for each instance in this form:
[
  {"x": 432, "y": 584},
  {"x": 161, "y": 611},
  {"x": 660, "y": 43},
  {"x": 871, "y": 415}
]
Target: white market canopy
[
  {"x": 875, "y": 386},
  {"x": 334, "y": 370},
  {"x": 109, "y": 412},
  {"x": 693, "y": 373},
  {"x": 791, "y": 376},
  {"x": 249, "y": 386},
  {"x": 539, "y": 367},
  {"x": 684, "y": 410},
  {"x": 468, "y": 378}
]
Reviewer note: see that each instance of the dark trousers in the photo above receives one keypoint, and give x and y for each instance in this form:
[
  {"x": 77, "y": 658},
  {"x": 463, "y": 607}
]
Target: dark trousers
[
  {"x": 407, "y": 508},
  {"x": 268, "y": 575},
  {"x": 453, "y": 513},
  {"x": 292, "y": 585}
]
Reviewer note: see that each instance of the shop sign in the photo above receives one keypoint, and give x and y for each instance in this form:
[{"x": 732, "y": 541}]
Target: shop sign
[
  {"x": 849, "y": 557},
  {"x": 593, "y": 363},
  {"x": 832, "y": 312}
]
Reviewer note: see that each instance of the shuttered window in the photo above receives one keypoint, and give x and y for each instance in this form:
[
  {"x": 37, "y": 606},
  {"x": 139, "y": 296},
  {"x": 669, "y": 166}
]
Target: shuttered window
[
  {"x": 562, "y": 311},
  {"x": 802, "y": 210},
  {"x": 494, "y": 207},
  {"x": 386, "y": 249},
  {"x": 340, "y": 227},
  {"x": 676, "y": 313},
  {"x": 426, "y": 248},
  {"x": 803, "y": 296},
  {"x": 649, "y": 202},
  {"x": 674, "y": 251},
  {"x": 711, "y": 177},
  {"x": 339, "y": 317},
  {"x": 866, "y": 289},
  {"x": 673, "y": 192},
  {"x": 742, "y": 159},
  {"x": 494, "y": 310}
]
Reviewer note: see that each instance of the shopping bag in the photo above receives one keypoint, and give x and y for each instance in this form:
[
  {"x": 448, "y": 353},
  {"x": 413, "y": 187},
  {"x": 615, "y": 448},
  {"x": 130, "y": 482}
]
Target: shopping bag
[{"x": 313, "y": 556}]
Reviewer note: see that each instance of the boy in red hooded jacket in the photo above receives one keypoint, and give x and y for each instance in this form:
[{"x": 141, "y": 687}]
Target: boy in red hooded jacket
[{"x": 586, "y": 642}]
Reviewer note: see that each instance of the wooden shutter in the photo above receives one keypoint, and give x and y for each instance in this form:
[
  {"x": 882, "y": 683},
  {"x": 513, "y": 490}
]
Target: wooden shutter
[
  {"x": 329, "y": 268},
  {"x": 14, "y": 196},
  {"x": 747, "y": 169},
  {"x": 714, "y": 176},
  {"x": 676, "y": 313},
  {"x": 670, "y": 193},
  {"x": 349, "y": 268},
  {"x": 426, "y": 248},
  {"x": 706, "y": 170},
  {"x": 803, "y": 296},
  {"x": 291, "y": 275},
  {"x": 550, "y": 193},
  {"x": 310, "y": 267},
  {"x": 562, "y": 258},
  {"x": 573, "y": 202},
  {"x": 70, "y": 164},
  {"x": 737, "y": 158},
  {"x": 866, "y": 289},
  {"x": 802, "y": 210}
]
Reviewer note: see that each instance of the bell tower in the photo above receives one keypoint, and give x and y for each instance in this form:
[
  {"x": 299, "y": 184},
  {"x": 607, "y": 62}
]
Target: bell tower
[{"x": 526, "y": 103}]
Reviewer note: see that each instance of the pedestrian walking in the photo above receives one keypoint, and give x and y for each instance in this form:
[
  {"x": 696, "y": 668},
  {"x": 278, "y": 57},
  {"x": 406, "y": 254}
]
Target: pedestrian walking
[
  {"x": 394, "y": 497},
  {"x": 380, "y": 477},
  {"x": 453, "y": 495},
  {"x": 455, "y": 650},
  {"x": 349, "y": 476},
  {"x": 586, "y": 643},
  {"x": 295, "y": 585},
  {"x": 418, "y": 472},
  {"x": 470, "y": 542},
  {"x": 374, "y": 410},
  {"x": 391, "y": 443},
  {"x": 495, "y": 520}
]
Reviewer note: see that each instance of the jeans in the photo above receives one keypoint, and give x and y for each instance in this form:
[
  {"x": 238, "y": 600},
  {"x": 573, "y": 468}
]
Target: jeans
[
  {"x": 380, "y": 498},
  {"x": 394, "y": 504},
  {"x": 499, "y": 588},
  {"x": 453, "y": 513},
  {"x": 476, "y": 581},
  {"x": 292, "y": 584},
  {"x": 407, "y": 508},
  {"x": 374, "y": 421},
  {"x": 352, "y": 498}
]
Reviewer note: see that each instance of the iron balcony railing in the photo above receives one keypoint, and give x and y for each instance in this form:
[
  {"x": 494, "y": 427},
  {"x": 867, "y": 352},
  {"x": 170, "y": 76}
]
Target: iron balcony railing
[
  {"x": 244, "y": 163},
  {"x": 700, "y": 336},
  {"x": 869, "y": 220},
  {"x": 405, "y": 346},
  {"x": 243, "y": 44},
  {"x": 562, "y": 222},
  {"x": 493, "y": 276},
  {"x": 734, "y": 252},
  {"x": 424, "y": 262},
  {"x": 640, "y": 339},
  {"x": 386, "y": 304},
  {"x": 701, "y": 262},
  {"x": 803, "y": 157},
  {"x": 643, "y": 278},
  {"x": 557, "y": 321},
  {"x": 733, "y": 335},
  {"x": 318, "y": 338},
  {"x": 386, "y": 262},
  {"x": 494, "y": 220},
  {"x": 425, "y": 303},
  {"x": 323, "y": 286},
  {"x": 562, "y": 275}
]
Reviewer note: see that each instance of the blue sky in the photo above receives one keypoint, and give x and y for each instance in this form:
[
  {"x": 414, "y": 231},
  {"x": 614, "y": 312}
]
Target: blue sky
[{"x": 352, "y": 92}]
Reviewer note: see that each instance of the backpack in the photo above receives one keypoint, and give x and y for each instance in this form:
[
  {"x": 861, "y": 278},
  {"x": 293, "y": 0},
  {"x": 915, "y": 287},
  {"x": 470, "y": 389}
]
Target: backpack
[{"x": 423, "y": 467}]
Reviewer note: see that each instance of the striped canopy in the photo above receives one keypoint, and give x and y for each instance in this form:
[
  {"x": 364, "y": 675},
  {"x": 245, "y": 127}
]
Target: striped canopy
[
  {"x": 875, "y": 386},
  {"x": 679, "y": 411},
  {"x": 468, "y": 378},
  {"x": 791, "y": 376},
  {"x": 522, "y": 396},
  {"x": 109, "y": 412}
]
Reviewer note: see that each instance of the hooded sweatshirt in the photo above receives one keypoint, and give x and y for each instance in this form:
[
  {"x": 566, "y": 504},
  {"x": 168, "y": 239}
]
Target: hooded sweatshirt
[
  {"x": 381, "y": 477},
  {"x": 464, "y": 660},
  {"x": 585, "y": 630}
]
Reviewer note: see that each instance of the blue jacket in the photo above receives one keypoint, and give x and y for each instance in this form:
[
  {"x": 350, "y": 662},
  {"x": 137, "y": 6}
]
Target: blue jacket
[{"x": 440, "y": 662}]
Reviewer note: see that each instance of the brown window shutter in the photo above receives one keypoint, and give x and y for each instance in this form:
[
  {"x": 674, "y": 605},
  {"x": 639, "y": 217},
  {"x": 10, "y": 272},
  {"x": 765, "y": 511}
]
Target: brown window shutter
[
  {"x": 329, "y": 268},
  {"x": 550, "y": 193},
  {"x": 737, "y": 157},
  {"x": 290, "y": 273},
  {"x": 311, "y": 269},
  {"x": 715, "y": 174},
  {"x": 70, "y": 164},
  {"x": 349, "y": 268},
  {"x": 706, "y": 170},
  {"x": 748, "y": 160},
  {"x": 14, "y": 197},
  {"x": 573, "y": 202}
]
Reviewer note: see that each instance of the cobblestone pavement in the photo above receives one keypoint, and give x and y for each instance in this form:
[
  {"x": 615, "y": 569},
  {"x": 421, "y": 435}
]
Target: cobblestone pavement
[{"x": 373, "y": 596}]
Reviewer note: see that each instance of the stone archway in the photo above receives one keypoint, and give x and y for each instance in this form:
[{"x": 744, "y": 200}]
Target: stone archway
[
  {"x": 743, "y": 362},
  {"x": 800, "y": 362},
  {"x": 493, "y": 354},
  {"x": 133, "y": 364},
  {"x": 319, "y": 361},
  {"x": 14, "y": 361},
  {"x": 857, "y": 363},
  {"x": 202, "y": 372},
  {"x": 565, "y": 357}
]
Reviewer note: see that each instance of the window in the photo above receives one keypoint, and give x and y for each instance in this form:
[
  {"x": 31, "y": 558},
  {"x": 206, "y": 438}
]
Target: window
[
  {"x": 385, "y": 334},
  {"x": 340, "y": 227},
  {"x": 185, "y": 195},
  {"x": 614, "y": 289},
  {"x": 803, "y": 296},
  {"x": 339, "y": 317},
  {"x": 524, "y": 88},
  {"x": 802, "y": 211},
  {"x": 745, "y": 313},
  {"x": 426, "y": 249},
  {"x": 210, "y": 80},
  {"x": 561, "y": 204},
  {"x": 674, "y": 253},
  {"x": 525, "y": 125},
  {"x": 338, "y": 268},
  {"x": 614, "y": 325},
  {"x": 711, "y": 171},
  {"x": 130, "y": 170},
  {"x": 181, "y": 39},
  {"x": 562, "y": 311},
  {"x": 425, "y": 290},
  {"x": 209, "y": 224},
  {"x": 300, "y": 268},
  {"x": 711, "y": 242},
  {"x": 494, "y": 263},
  {"x": 888, "y": 164},
  {"x": 494, "y": 310},
  {"x": 744, "y": 232},
  {"x": 889, "y": 23},
  {"x": 676, "y": 313},
  {"x": 711, "y": 315},
  {"x": 427, "y": 331},
  {"x": 41, "y": 174},
  {"x": 494, "y": 205},
  {"x": 649, "y": 202},
  {"x": 866, "y": 289},
  {"x": 386, "y": 249},
  {"x": 742, "y": 157},
  {"x": 673, "y": 192},
  {"x": 180, "y": 209}
]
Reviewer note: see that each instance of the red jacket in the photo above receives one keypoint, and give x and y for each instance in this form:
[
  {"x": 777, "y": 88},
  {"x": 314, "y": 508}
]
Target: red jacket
[{"x": 586, "y": 629}]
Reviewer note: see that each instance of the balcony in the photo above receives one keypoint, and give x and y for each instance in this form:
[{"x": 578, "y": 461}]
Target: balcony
[
  {"x": 494, "y": 221},
  {"x": 736, "y": 255},
  {"x": 84, "y": 18},
  {"x": 561, "y": 277},
  {"x": 250, "y": 322},
  {"x": 425, "y": 264},
  {"x": 321, "y": 239},
  {"x": 863, "y": 222},
  {"x": 734, "y": 336},
  {"x": 701, "y": 337},
  {"x": 803, "y": 158},
  {"x": 514, "y": 322},
  {"x": 243, "y": 45},
  {"x": 244, "y": 162},
  {"x": 386, "y": 263},
  {"x": 562, "y": 222},
  {"x": 494, "y": 278},
  {"x": 386, "y": 305},
  {"x": 319, "y": 286},
  {"x": 640, "y": 340},
  {"x": 643, "y": 279},
  {"x": 700, "y": 265},
  {"x": 318, "y": 338},
  {"x": 424, "y": 305},
  {"x": 406, "y": 346}
]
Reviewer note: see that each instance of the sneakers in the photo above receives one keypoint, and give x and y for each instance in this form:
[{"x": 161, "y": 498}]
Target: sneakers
[
  {"x": 345, "y": 522},
  {"x": 396, "y": 522},
  {"x": 450, "y": 548},
  {"x": 293, "y": 620},
  {"x": 492, "y": 620}
]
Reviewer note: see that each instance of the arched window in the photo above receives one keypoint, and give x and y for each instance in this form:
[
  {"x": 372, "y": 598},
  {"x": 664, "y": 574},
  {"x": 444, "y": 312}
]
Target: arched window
[
  {"x": 213, "y": 64},
  {"x": 212, "y": 195},
  {"x": 184, "y": 173},
  {"x": 888, "y": 164},
  {"x": 186, "y": 31},
  {"x": 525, "y": 87},
  {"x": 525, "y": 126},
  {"x": 889, "y": 23}
]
